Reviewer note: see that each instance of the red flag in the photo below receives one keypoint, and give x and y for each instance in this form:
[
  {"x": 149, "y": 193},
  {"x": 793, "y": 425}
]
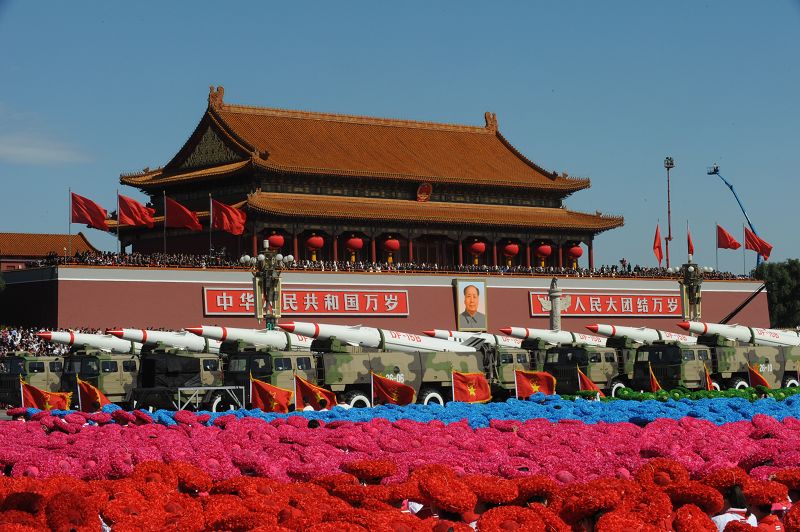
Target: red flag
[
  {"x": 756, "y": 378},
  {"x": 471, "y": 388},
  {"x": 227, "y": 218},
  {"x": 131, "y": 212},
  {"x": 725, "y": 240},
  {"x": 310, "y": 395},
  {"x": 709, "y": 384},
  {"x": 654, "y": 384},
  {"x": 85, "y": 211},
  {"x": 33, "y": 397},
  {"x": 528, "y": 383},
  {"x": 689, "y": 242},
  {"x": 269, "y": 398},
  {"x": 752, "y": 241},
  {"x": 385, "y": 390},
  {"x": 586, "y": 384},
  {"x": 659, "y": 253},
  {"x": 179, "y": 216},
  {"x": 90, "y": 399}
]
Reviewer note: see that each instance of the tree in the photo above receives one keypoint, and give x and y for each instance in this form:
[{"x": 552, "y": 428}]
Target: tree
[{"x": 783, "y": 291}]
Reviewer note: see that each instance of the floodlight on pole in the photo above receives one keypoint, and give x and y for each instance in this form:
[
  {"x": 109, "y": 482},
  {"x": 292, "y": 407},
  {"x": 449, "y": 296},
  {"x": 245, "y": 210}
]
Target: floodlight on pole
[{"x": 669, "y": 164}]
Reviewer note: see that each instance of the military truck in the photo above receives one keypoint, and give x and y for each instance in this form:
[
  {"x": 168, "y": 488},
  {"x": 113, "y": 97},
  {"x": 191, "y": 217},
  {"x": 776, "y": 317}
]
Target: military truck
[
  {"x": 44, "y": 372},
  {"x": 174, "y": 378},
  {"x": 345, "y": 369},
  {"x": 676, "y": 364},
  {"x": 610, "y": 367},
  {"x": 112, "y": 373}
]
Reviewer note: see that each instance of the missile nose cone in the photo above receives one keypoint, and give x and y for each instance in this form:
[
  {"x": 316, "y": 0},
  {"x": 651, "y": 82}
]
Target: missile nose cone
[
  {"x": 684, "y": 325},
  {"x": 430, "y": 333},
  {"x": 594, "y": 328},
  {"x": 45, "y": 335},
  {"x": 115, "y": 332},
  {"x": 195, "y": 330},
  {"x": 506, "y": 331},
  {"x": 287, "y": 326}
]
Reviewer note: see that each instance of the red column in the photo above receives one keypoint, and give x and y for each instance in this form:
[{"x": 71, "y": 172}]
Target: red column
[
  {"x": 335, "y": 243},
  {"x": 560, "y": 255},
  {"x": 410, "y": 250},
  {"x": 255, "y": 243},
  {"x": 296, "y": 248},
  {"x": 372, "y": 250},
  {"x": 591, "y": 256},
  {"x": 494, "y": 253},
  {"x": 460, "y": 253},
  {"x": 527, "y": 254}
]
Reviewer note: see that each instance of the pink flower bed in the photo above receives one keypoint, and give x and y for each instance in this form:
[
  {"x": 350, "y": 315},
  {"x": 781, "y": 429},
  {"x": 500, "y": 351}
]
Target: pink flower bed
[{"x": 287, "y": 450}]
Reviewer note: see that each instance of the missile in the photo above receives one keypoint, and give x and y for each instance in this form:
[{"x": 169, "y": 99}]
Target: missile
[
  {"x": 644, "y": 335},
  {"x": 376, "y": 338},
  {"x": 104, "y": 342},
  {"x": 462, "y": 336},
  {"x": 262, "y": 337},
  {"x": 554, "y": 337},
  {"x": 181, "y": 340},
  {"x": 755, "y": 335}
]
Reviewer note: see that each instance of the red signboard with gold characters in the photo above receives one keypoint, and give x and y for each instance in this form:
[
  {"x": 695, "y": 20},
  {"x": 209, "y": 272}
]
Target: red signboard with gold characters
[
  {"x": 609, "y": 304},
  {"x": 310, "y": 302}
]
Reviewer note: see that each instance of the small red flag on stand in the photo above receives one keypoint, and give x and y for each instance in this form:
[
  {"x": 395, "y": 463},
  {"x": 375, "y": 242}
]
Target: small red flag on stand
[
  {"x": 471, "y": 388},
  {"x": 689, "y": 243},
  {"x": 654, "y": 384},
  {"x": 33, "y": 397},
  {"x": 390, "y": 391},
  {"x": 227, "y": 218},
  {"x": 725, "y": 240},
  {"x": 709, "y": 383},
  {"x": 269, "y": 398},
  {"x": 85, "y": 211},
  {"x": 90, "y": 399},
  {"x": 308, "y": 394},
  {"x": 176, "y": 215},
  {"x": 528, "y": 383},
  {"x": 131, "y": 212},
  {"x": 659, "y": 253},
  {"x": 586, "y": 384},
  {"x": 756, "y": 378}
]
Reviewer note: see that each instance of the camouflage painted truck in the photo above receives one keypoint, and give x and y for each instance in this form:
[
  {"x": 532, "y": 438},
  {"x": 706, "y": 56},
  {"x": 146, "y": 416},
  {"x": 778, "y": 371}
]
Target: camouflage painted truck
[
  {"x": 345, "y": 369},
  {"x": 113, "y": 374},
  {"x": 680, "y": 365},
  {"x": 611, "y": 368},
  {"x": 44, "y": 372}
]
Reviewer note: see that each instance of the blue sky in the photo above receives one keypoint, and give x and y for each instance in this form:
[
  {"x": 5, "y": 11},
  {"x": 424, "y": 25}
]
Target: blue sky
[{"x": 603, "y": 90}]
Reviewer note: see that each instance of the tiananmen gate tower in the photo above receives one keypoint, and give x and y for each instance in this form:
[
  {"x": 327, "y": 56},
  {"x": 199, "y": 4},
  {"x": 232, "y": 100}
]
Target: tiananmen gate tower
[{"x": 336, "y": 187}]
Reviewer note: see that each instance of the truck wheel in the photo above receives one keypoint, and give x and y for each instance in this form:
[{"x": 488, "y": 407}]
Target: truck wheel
[
  {"x": 218, "y": 403},
  {"x": 739, "y": 383},
  {"x": 789, "y": 382},
  {"x": 616, "y": 386},
  {"x": 356, "y": 399},
  {"x": 430, "y": 396},
  {"x": 715, "y": 385}
]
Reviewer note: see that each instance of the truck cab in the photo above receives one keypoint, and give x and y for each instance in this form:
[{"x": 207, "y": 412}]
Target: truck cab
[
  {"x": 111, "y": 373},
  {"x": 163, "y": 370},
  {"x": 44, "y": 372},
  {"x": 600, "y": 364}
]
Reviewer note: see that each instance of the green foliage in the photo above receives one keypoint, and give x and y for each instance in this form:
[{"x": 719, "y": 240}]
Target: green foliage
[
  {"x": 751, "y": 394},
  {"x": 783, "y": 291}
]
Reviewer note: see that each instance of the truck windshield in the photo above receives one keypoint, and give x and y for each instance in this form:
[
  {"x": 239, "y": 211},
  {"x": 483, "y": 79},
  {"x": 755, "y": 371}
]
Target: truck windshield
[
  {"x": 660, "y": 355},
  {"x": 567, "y": 356},
  {"x": 237, "y": 365},
  {"x": 12, "y": 365}
]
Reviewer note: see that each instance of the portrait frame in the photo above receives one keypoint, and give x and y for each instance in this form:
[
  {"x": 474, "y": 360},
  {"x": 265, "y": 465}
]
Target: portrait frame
[{"x": 479, "y": 322}]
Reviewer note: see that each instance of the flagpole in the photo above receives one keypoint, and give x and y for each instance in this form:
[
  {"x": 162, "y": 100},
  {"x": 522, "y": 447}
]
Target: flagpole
[
  {"x": 21, "y": 393},
  {"x": 119, "y": 240},
  {"x": 716, "y": 236},
  {"x": 251, "y": 391},
  {"x": 687, "y": 240},
  {"x": 165, "y": 221},
  {"x": 69, "y": 220},
  {"x": 372, "y": 388},
  {"x": 453, "y": 383},
  {"x": 744, "y": 253},
  {"x": 78, "y": 386},
  {"x": 516, "y": 387},
  {"x": 210, "y": 219}
]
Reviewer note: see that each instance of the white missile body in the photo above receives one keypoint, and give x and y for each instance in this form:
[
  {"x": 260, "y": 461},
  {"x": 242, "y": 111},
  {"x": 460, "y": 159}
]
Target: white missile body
[
  {"x": 462, "y": 336},
  {"x": 755, "y": 335},
  {"x": 181, "y": 339},
  {"x": 376, "y": 338},
  {"x": 644, "y": 335},
  {"x": 258, "y": 337},
  {"x": 554, "y": 337},
  {"x": 104, "y": 342}
]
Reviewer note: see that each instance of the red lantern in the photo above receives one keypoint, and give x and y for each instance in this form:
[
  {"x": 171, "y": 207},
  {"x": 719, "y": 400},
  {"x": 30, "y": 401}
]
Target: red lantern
[
  {"x": 392, "y": 245},
  {"x": 575, "y": 252},
  {"x": 315, "y": 242},
  {"x": 544, "y": 251},
  {"x": 477, "y": 248},
  {"x": 354, "y": 244},
  {"x": 511, "y": 250},
  {"x": 275, "y": 241}
]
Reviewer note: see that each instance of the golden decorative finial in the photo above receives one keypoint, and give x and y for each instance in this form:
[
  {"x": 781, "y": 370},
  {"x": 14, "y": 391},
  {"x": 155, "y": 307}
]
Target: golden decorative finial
[
  {"x": 491, "y": 121},
  {"x": 215, "y": 97}
]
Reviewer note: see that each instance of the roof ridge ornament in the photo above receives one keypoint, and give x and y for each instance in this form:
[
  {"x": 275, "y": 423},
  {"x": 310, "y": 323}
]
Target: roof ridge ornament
[
  {"x": 215, "y": 97},
  {"x": 491, "y": 121}
]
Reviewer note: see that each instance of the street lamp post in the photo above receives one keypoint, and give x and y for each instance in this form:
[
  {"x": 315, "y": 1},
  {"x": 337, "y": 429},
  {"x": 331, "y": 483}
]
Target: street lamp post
[
  {"x": 690, "y": 281},
  {"x": 669, "y": 164},
  {"x": 266, "y": 269}
]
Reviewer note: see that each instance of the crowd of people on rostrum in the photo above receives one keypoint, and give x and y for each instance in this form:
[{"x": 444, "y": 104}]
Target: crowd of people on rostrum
[
  {"x": 221, "y": 259},
  {"x": 25, "y": 339}
]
